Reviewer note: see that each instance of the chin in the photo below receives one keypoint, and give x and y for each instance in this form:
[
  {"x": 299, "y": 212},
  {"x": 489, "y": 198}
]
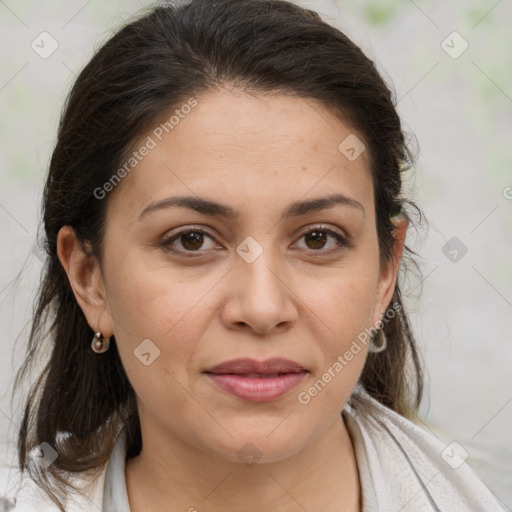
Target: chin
[{"x": 261, "y": 446}]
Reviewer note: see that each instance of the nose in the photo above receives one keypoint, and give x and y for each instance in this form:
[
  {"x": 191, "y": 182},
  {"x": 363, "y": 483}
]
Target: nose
[{"x": 259, "y": 299}]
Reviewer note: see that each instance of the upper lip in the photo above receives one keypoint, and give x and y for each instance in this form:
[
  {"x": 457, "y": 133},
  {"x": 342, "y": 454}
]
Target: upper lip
[{"x": 251, "y": 366}]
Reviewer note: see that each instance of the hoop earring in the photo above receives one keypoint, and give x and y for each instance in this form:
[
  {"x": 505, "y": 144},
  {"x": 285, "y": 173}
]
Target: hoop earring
[
  {"x": 375, "y": 349},
  {"x": 99, "y": 344}
]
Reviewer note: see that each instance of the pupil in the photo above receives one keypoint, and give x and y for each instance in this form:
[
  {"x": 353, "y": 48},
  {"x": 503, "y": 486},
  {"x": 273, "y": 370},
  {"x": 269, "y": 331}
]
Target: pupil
[
  {"x": 195, "y": 238},
  {"x": 319, "y": 239}
]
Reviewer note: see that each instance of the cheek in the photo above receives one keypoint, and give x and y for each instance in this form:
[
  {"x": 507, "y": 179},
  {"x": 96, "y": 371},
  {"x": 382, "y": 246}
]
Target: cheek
[
  {"x": 345, "y": 303},
  {"x": 145, "y": 305},
  {"x": 345, "y": 307},
  {"x": 152, "y": 315},
  {"x": 153, "y": 302},
  {"x": 345, "y": 310}
]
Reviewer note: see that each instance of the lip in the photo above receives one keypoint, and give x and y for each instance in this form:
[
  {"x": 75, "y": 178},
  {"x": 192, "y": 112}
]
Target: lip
[
  {"x": 257, "y": 381},
  {"x": 247, "y": 366}
]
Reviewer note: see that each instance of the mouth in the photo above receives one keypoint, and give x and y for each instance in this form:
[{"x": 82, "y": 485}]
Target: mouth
[
  {"x": 246, "y": 366},
  {"x": 256, "y": 375},
  {"x": 256, "y": 381}
]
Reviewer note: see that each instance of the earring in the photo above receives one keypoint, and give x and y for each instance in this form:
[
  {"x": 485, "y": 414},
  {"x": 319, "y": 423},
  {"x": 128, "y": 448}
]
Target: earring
[
  {"x": 375, "y": 349},
  {"x": 99, "y": 344}
]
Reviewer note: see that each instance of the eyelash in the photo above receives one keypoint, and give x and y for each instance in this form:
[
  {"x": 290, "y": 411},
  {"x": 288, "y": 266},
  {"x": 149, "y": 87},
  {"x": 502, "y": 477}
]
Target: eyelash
[{"x": 166, "y": 243}]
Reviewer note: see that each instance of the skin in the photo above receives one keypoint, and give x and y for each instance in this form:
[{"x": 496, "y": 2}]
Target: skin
[{"x": 301, "y": 299}]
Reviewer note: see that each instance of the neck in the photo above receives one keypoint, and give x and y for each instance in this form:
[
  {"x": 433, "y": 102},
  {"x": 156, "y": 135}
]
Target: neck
[{"x": 321, "y": 477}]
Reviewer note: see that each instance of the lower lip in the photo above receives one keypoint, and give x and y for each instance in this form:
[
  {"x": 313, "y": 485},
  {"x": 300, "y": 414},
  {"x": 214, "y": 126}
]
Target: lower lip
[{"x": 257, "y": 389}]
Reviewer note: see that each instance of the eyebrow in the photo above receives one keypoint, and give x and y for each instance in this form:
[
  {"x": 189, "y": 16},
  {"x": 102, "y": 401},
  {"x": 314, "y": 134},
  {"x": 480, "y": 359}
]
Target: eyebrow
[{"x": 212, "y": 208}]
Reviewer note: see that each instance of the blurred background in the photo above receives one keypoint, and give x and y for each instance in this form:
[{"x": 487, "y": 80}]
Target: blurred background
[{"x": 450, "y": 65}]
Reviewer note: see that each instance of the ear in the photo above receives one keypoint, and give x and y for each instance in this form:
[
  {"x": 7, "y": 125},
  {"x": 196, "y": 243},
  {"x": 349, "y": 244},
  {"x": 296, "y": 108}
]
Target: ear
[
  {"x": 85, "y": 278},
  {"x": 389, "y": 270}
]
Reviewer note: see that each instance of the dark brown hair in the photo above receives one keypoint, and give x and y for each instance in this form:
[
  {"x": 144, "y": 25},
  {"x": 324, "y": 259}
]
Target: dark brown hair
[{"x": 155, "y": 63}]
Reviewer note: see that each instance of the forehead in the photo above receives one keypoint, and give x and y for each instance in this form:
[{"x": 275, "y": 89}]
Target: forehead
[
  {"x": 263, "y": 125},
  {"x": 235, "y": 143}
]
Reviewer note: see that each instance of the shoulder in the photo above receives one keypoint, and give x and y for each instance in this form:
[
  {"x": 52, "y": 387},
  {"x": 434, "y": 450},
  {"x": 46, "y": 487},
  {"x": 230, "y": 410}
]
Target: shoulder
[
  {"x": 19, "y": 493},
  {"x": 407, "y": 466},
  {"x": 7, "y": 496}
]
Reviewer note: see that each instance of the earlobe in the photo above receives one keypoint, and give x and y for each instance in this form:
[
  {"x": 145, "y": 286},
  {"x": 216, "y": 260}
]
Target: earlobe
[{"x": 85, "y": 279}]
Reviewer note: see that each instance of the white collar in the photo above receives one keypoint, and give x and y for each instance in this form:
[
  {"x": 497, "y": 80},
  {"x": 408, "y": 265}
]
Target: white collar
[{"x": 115, "y": 496}]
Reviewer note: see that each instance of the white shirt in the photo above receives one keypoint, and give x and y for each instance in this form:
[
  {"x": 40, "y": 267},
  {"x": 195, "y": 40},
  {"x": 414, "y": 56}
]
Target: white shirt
[{"x": 402, "y": 468}]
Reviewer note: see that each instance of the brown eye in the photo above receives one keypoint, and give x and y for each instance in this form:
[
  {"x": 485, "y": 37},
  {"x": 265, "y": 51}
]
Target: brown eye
[
  {"x": 192, "y": 241},
  {"x": 318, "y": 238},
  {"x": 188, "y": 241}
]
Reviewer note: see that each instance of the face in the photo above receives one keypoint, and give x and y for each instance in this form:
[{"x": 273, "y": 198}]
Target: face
[{"x": 185, "y": 287}]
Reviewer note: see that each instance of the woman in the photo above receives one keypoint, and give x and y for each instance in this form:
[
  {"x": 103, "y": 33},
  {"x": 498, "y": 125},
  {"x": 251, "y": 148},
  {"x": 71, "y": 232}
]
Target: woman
[{"x": 225, "y": 228}]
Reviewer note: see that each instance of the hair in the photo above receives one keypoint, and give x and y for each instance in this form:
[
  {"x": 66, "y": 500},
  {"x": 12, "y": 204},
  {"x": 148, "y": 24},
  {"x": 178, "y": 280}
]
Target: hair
[{"x": 154, "y": 63}]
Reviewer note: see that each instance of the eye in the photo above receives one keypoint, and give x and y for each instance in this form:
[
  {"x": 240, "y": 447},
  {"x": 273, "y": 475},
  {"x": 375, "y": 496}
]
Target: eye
[
  {"x": 191, "y": 240},
  {"x": 317, "y": 238}
]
